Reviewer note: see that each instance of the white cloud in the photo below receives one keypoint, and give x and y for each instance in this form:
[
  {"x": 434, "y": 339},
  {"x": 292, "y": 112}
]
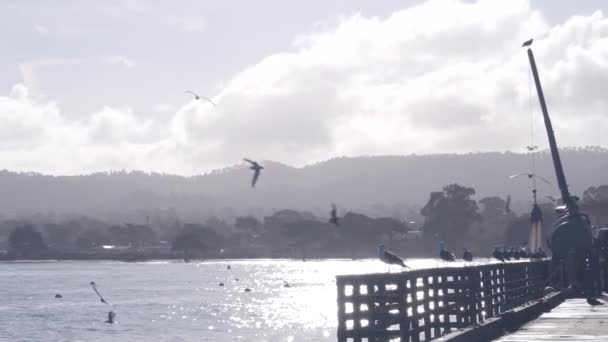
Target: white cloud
[
  {"x": 123, "y": 60},
  {"x": 443, "y": 76}
]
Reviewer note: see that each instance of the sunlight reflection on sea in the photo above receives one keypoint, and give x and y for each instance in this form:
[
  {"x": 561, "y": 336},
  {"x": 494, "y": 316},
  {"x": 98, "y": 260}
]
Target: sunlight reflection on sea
[{"x": 176, "y": 301}]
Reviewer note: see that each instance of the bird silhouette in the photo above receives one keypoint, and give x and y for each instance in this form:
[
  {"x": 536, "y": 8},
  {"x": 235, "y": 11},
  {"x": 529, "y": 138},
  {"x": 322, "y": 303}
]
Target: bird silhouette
[
  {"x": 444, "y": 254},
  {"x": 111, "y": 316},
  {"x": 256, "y": 170},
  {"x": 593, "y": 302},
  {"x": 541, "y": 253},
  {"x": 530, "y": 175},
  {"x": 531, "y": 148},
  {"x": 333, "y": 215},
  {"x": 389, "y": 258},
  {"x": 516, "y": 253},
  {"x": 94, "y": 286},
  {"x": 507, "y": 253},
  {"x": 198, "y": 97},
  {"x": 467, "y": 255},
  {"x": 527, "y": 42},
  {"x": 508, "y": 204},
  {"x": 498, "y": 254}
]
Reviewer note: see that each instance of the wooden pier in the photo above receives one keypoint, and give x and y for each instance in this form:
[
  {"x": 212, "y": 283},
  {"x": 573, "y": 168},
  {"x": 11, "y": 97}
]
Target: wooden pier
[
  {"x": 425, "y": 304},
  {"x": 573, "y": 320}
]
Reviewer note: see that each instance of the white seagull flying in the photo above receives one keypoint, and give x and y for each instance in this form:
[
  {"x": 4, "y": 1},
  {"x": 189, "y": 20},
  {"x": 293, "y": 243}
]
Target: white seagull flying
[{"x": 198, "y": 97}]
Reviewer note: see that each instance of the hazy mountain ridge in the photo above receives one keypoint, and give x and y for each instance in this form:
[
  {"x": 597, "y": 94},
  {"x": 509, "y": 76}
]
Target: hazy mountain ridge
[{"x": 373, "y": 185}]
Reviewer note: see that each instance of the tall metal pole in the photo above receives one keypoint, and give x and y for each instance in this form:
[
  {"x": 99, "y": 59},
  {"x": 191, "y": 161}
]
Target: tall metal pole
[{"x": 559, "y": 170}]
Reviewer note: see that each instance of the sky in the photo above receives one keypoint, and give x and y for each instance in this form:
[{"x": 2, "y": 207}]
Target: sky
[{"x": 89, "y": 86}]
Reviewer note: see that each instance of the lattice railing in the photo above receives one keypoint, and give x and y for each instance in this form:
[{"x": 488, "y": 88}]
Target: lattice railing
[{"x": 424, "y": 304}]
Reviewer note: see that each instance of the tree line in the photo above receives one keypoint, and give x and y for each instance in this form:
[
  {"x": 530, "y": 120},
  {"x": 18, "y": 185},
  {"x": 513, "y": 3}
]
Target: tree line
[{"x": 450, "y": 214}]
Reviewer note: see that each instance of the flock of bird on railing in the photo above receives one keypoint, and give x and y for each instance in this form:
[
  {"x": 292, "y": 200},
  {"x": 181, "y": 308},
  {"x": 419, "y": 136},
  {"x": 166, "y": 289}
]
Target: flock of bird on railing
[
  {"x": 501, "y": 254},
  {"x": 514, "y": 253}
]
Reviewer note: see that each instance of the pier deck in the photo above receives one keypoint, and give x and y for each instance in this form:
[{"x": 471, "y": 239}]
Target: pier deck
[{"x": 573, "y": 320}]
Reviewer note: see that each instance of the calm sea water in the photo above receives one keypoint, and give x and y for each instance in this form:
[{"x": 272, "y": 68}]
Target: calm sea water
[{"x": 176, "y": 301}]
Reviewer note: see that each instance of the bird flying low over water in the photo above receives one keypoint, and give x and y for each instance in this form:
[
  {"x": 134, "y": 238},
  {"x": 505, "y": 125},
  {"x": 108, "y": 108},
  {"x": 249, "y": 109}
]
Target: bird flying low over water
[
  {"x": 467, "y": 255},
  {"x": 530, "y": 175},
  {"x": 389, "y": 258},
  {"x": 94, "y": 286},
  {"x": 256, "y": 170},
  {"x": 333, "y": 215},
  {"x": 198, "y": 97},
  {"x": 444, "y": 254},
  {"x": 111, "y": 316}
]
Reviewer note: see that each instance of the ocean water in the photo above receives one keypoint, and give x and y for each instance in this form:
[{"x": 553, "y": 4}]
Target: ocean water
[{"x": 176, "y": 301}]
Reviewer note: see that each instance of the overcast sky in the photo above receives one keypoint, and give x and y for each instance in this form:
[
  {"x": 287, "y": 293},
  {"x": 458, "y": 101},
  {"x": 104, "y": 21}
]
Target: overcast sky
[{"x": 98, "y": 85}]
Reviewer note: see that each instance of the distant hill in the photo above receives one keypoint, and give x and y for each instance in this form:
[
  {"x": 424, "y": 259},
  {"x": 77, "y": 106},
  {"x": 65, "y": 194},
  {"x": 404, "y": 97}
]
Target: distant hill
[{"x": 384, "y": 185}]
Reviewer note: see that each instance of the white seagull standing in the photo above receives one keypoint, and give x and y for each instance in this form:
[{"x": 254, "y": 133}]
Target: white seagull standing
[
  {"x": 198, "y": 97},
  {"x": 389, "y": 258}
]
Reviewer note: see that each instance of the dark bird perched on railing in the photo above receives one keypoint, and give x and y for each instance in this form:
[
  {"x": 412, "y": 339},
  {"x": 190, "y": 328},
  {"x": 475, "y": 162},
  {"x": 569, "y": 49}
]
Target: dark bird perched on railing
[
  {"x": 389, "y": 258},
  {"x": 507, "y": 254},
  {"x": 498, "y": 254},
  {"x": 334, "y": 215},
  {"x": 535, "y": 255},
  {"x": 198, "y": 97},
  {"x": 524, "y": 252},
  {"x": 467, "y": 255},
  {"x": 444, "y": 254},
  {"x": 541, "y": 253},
  {"x": 515, "y": 253},
  {"x": 256, "y": 170},
  {"x": 593, "y": 302}
]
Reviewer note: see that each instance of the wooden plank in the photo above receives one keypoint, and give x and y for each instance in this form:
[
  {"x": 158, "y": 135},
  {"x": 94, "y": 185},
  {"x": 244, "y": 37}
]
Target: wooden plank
[{"x": 573, "y": 320}]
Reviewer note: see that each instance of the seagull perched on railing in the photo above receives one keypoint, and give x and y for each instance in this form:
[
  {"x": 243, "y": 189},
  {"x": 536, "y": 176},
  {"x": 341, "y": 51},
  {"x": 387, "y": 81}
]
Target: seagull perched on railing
[
  {"x": 198, "y": 97},
  {"x": 498, "y": 254},
  {"x": 444, "y": 254},
  {"x": 389, "y": 258},
  {"x": 467, "y": 255},
  {"x": 593, "y": 302},
  {"x": 256, "y": 170}
]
